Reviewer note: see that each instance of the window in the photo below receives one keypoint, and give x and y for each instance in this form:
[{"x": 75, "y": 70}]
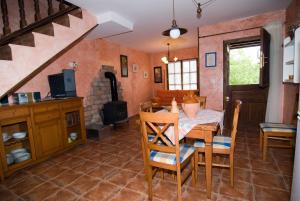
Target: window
[
  {"x": 244, "y": 63},
  {"x": 183, "y": 75}
]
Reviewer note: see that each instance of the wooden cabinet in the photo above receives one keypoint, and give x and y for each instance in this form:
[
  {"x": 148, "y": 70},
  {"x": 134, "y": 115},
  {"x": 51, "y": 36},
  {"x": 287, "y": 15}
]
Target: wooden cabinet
[{"x": 51, "y": 127}]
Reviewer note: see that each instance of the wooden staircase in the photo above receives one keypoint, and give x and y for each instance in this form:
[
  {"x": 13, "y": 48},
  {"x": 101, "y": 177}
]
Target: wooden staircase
[{"x": 26, "y": 53}]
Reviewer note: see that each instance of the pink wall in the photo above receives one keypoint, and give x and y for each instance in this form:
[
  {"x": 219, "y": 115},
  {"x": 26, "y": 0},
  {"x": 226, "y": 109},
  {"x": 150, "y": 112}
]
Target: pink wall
[
  {"x": 211, "y": 79},
  {"x": 91, "y": 55},
  {"x": 187, "y": 53}
]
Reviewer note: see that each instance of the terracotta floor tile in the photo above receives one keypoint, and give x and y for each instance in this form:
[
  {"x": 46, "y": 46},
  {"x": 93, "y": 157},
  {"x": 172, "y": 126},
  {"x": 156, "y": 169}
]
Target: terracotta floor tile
[
  {"x": 60, "y": 158},
  {"x": 127, "y": 194},
  {"x": 267, "y": 194},
  {"x": 66, "y": 178},
  {"x": 268, "y": 180},
  {"x": 7, "y": 195},
  {"x": 26, "y": 185},
  {"x": 190, "y": 194},
  {"x": 52, "y": 172},
  {"x": 165, "y": 190},
  {"x": 86, "y": 166},
  {"x": 140, "y": 184},
  {"x": 16, "y": 178},
  {"x": 264, "y": 166},
  {"x": 121, "y": 177},
  {"x": 73, "y": 162},
  {"x": 134, "y": 165},
  {"x": 62, "y": 195},
  {"x": 102, "y": 191},
  {"x": 39, "y": 168},
  {"x": 240, "y": 174},
  {"x": 41, "y": 192},
  {"x": 241, "y": 190},
  {"x": 102, "y": 171},
  {"x": 83, "y": 184},
  {"x": 117, "y": 161}
]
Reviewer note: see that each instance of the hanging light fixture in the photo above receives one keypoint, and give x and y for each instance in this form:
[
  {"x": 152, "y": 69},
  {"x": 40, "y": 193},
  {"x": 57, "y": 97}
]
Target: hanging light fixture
[
  {"x": 167, "y": 59},
  {"x": 175, "y": 31},
  {"x": 199, "y": 7}
]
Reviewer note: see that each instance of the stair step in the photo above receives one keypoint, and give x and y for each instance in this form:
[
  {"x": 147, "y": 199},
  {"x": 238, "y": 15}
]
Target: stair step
[
  {"x": 46, "y": 29},
  {"x": 5, "y": 53},
  {"x": 26, "y": 40},
  {"x": 77, "y": 13},
  {"x": 63, "y": 20}
]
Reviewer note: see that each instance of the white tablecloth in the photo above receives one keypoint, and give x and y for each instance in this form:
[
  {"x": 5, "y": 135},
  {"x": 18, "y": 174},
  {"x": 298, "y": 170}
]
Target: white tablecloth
[{"x": 186, "y": 125}]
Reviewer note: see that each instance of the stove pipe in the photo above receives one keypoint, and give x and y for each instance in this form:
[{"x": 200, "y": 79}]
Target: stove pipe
[{"x": 113, "y": 85}]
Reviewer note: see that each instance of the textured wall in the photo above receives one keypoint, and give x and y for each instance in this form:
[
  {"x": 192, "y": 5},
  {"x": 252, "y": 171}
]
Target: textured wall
[
  {"x": 211, "y": 79},
  {"x": 91, "y": 55}
]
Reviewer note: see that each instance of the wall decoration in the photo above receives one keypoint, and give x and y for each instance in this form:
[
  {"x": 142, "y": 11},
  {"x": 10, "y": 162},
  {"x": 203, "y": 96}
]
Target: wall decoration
[
  {"x": 210, "y": 59},
  {"x": 124, "y": 65},
  {"x": 146, "y": 74},
  {"x": 135, "y": 68},
  {"x": 157, "y": 74}
]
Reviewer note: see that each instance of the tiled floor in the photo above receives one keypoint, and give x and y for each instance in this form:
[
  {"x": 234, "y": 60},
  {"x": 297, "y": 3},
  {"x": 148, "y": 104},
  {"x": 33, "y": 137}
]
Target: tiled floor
[{"x": 112, "y": 169}]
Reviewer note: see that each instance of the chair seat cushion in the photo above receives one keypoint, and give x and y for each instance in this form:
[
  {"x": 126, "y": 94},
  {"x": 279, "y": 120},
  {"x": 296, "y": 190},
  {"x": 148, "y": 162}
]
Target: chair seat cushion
[
  {"x": 170, "y": 158},
  {"x": 219, "y": 142},
  {"x": 278, "y": 127}
]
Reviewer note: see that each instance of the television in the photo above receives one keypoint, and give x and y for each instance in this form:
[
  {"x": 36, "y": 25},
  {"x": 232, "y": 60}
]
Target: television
[{"x": 62, "y": 84}]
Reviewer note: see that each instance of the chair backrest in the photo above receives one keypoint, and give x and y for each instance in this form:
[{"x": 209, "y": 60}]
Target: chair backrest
[
  {"x": 146, "y": 106},
  {"x": 202, "y": 101},
  {"x": 235, "y": 120},
  {"x": 158, "y": 123}
]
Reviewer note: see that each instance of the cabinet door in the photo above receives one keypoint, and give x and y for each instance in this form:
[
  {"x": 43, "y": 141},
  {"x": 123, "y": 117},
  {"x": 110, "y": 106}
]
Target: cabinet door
[{"x": 48, "y": 137}]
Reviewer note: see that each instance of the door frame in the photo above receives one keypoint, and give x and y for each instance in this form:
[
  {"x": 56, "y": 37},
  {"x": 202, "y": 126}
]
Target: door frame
[{"x": 226, "y": 91}]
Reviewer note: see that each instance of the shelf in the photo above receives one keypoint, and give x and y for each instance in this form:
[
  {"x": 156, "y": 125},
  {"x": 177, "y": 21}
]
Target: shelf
[{"x": 13, "y": 141}]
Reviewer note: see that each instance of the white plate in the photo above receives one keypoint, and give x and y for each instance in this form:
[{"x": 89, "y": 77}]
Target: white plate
[
  {"x": 22, "y": 158},
  {"x": 6, "y": 138},
  {"x": 9, "y": 159},
  {"x": 19, "y": 135},
  {"x": 20, "y": 150}
]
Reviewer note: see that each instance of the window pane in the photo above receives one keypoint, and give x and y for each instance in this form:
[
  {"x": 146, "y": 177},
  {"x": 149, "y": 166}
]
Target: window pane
[
  {"x": 193, "y": 66},
  {"x": 171, "y": 79},
  {"x": 186, "y": 87},
  {"x": 177, "y": 79},
  {"x": 186, "y": 78},
  {"x": 171, "y": 87},
  {"x": 171, "y": 68},
  {"x": 244, "y": 65},
  {"x": 186, "y": 66},
  {"x": 193, "y": 77},
  {"x": 193, "y": 86},
  {"x": 178, "y": 67},
  {"x": 178, "y": 87}
]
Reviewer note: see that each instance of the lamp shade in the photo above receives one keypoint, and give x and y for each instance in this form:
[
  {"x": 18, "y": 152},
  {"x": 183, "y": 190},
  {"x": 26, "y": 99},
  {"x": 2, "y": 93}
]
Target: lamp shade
[{"x": 174, "y": 33}]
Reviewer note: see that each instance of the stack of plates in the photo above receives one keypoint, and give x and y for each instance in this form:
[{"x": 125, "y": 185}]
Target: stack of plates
[
  {"x": 20, "y": 155},
  {"x": 19, "y": 135},
  {"x": 6, "y": 137}
]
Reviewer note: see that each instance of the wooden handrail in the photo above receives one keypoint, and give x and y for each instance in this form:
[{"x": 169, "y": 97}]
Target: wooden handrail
[{"x": 6, "y": 39}]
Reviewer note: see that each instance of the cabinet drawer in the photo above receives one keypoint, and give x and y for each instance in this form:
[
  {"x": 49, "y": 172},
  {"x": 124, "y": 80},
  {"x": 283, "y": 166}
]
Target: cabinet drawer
[
  {"x": 71, "y": 104},
  {"x": 12, "y": 113},
  {"x": 46, "y": 116},
  {"x": 45, "y": 108}
]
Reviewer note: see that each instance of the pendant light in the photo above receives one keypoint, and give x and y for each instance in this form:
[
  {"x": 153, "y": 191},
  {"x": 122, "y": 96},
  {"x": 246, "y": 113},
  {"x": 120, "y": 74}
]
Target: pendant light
[
  {"x": 175, "y": 31},
  {"x": 165, "y": 59}
]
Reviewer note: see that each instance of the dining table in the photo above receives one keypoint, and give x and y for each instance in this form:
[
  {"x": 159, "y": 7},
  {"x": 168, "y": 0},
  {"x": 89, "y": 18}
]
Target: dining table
[{"x": 204, "y": 126}]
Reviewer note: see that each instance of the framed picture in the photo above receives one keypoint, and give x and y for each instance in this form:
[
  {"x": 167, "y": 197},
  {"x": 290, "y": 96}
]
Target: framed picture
[
  {"x": 135, "y": 68},
  {"x": 211, "y": 59},
  {"x": 157, "y": 74},
  {"x": 146, "y": 74},
  {"x": 124, "y": 65}
]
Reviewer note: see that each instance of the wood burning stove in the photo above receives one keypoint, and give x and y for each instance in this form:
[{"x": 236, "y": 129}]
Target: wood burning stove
[{"x": 114, "y": 111}]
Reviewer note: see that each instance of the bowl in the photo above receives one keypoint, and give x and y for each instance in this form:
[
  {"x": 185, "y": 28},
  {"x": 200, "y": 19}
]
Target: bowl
[
  {"x": 6, "y": 137},
  {"x": 191, "y": 109},
  {"x": 9, "y": 159},
  {"x": 19, "y": 135},
  {"x": 16, "y": 151},
  {"x": 73, "y": 136},
  {"x": 23, "y": 157}
]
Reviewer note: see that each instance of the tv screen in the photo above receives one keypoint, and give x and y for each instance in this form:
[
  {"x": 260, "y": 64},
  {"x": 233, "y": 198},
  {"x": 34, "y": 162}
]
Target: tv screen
[{"x": 62, "y": 84}]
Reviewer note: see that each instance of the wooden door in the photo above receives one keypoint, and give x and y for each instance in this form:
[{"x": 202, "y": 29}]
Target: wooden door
[
  {"x": 253, "y": 95},
  {"x": 49, "y": 137}
]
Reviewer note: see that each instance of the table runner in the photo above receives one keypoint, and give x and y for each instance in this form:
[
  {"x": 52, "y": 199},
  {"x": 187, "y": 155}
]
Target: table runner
[{"x": 185, "y": 125}]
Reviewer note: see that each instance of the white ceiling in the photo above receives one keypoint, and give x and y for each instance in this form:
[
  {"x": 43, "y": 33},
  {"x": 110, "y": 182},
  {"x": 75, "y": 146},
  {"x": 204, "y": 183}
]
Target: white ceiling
[{"x": 151, "y": 17}]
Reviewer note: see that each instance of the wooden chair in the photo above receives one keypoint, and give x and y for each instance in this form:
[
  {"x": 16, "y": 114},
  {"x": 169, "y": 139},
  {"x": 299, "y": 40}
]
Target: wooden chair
[
  {"x": 202, "y": 101},
  {"x": 276, "y": 131},
  {"x": 146, "y": 106},
  {"x": 222, "y": 145},
  {"x": 164, "y": 154}
]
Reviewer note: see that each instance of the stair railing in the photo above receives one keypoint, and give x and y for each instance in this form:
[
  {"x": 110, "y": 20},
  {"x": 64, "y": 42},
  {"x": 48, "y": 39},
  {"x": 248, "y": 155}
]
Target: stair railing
[{"x": 8, "y": 36}]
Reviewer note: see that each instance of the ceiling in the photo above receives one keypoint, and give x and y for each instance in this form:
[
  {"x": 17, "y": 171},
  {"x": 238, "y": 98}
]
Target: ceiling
[{"x": 143, "y": 21}]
